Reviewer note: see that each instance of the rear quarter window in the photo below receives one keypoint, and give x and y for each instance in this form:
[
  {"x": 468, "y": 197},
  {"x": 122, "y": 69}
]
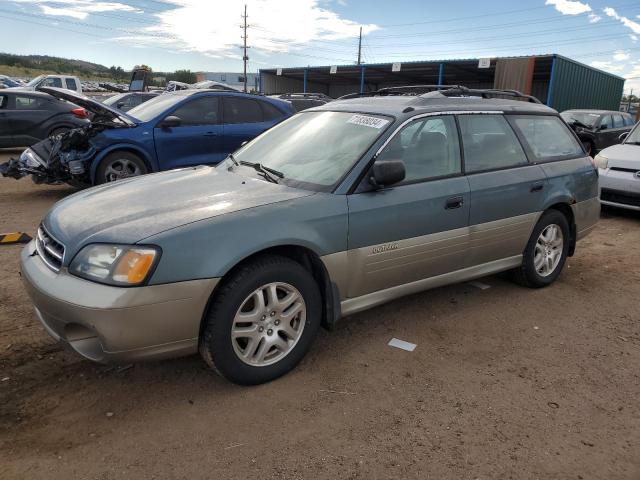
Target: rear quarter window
[{"x": 547, "y": 137}]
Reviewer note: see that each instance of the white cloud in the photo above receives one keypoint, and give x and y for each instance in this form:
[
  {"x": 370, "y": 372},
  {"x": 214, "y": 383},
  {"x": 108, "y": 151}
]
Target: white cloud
[
  {"x": 569, "y": 7},
  {"x": 593, "y": 18},
  {"x": 634, "y": 26},
  {"x": 621, "y": 56},
  {"x": 78, "y": 9},
  {"x": 275, "y": 25},
  {"x": 607, "y": 66}
]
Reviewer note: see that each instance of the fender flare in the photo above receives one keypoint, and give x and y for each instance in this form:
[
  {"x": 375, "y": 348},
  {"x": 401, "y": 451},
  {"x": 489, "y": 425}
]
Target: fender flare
[{"x": 121, "y": 146}]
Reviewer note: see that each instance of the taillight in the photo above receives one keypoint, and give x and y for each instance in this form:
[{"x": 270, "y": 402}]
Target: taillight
[{"x": 80, "y": 113}]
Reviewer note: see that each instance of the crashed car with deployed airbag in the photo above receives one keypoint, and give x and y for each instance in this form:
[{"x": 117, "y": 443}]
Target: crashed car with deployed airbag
[{"x": 175, "y": 130}]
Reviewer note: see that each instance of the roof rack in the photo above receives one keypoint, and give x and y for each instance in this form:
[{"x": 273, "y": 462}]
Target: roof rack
[
  {"x": 319, "y": 96},
  {"x": 446, "y": 90}
]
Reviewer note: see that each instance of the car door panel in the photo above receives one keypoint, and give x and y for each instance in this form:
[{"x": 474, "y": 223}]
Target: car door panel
[
  {"x": 195, "y": 142},
  {"x": 406, "y": 233},
  {"x": 27, "y": 116},
  {"x": 507, "y": 198},
  {"x": 418, "y": 229},
  {"x": 6, "y": 137}
]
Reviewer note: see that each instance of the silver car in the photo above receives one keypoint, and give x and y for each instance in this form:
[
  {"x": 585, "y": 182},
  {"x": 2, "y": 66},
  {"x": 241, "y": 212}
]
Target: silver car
[
  {"x": 338, "y": 209},
  {"x": 619, "y": 168}
]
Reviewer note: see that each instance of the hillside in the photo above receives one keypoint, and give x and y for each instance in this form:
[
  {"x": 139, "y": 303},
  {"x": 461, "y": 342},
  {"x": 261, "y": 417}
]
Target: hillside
[{"x": 33, "y": 65}]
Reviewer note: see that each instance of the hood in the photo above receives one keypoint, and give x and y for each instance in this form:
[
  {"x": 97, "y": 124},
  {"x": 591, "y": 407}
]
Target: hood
[
  {"x": 130, "y": 210},
  {"x": 625, "y": 155},
  {"x": 104, "y": 112}
]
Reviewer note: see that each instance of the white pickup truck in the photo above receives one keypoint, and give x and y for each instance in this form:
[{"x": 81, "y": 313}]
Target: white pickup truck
[{"x": 58, "y": 81}]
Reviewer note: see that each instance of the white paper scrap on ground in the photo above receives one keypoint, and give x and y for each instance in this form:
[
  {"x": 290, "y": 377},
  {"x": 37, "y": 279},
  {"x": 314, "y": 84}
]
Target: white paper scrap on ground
[
  {"x": 480, "y": 285},
  {"x": 409, "y": 347}
]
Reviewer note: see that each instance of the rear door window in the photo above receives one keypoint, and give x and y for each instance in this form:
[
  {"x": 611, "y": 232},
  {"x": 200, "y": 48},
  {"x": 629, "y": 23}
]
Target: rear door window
[
  {"x": 489, "y": 143},
  {"x": 241, "y": 110},
  {"x": 617, "y": 121},
  {"x": 201, "y": 111},
  {"x": 628, "y": 120},
  {"x": 547, "y": 136},
  {"x": 606, "y": 122},
  {"x": 27, "y": 103},
  {"x": 270, "y": 113},
  {"x": 71, "y": 83}
]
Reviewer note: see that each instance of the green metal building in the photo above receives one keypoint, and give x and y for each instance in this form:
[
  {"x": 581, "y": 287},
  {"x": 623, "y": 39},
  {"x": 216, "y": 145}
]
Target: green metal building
[{"x": 560, "y": 82}]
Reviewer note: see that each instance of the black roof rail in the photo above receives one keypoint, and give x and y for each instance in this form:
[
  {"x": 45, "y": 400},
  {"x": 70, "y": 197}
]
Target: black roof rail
[{"x": 446, "y": 90}]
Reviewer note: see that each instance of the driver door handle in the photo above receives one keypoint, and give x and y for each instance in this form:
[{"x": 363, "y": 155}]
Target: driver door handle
[
  {"x": 454, "y": 202},
  {"x": 211, "y": 134},
  {"x": 537, "y": 187}
]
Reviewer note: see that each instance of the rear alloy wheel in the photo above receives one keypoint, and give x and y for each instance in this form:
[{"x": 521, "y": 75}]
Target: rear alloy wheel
[
  {"x": 118, "y": 166},
  {"x": 546, "y": 251},
  {"x": 262, "y": 320}
]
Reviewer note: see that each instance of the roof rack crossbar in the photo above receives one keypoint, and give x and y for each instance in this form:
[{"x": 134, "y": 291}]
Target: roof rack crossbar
[{"x": 447, "y": 90}]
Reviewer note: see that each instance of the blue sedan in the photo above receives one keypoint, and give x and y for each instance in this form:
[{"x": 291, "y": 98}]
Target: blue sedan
[{"x": 173, "y": 130}]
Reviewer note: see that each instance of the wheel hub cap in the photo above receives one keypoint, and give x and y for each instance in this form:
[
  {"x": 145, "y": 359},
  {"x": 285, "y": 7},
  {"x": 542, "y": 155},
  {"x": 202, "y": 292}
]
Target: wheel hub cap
[{"x": 268, "y": 324}]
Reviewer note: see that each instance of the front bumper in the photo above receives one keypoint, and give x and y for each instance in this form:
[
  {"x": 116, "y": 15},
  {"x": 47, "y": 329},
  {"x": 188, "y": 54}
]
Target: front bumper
[
  {"x": 620, "y": 188},
  {"x": 112, "y": 324}
]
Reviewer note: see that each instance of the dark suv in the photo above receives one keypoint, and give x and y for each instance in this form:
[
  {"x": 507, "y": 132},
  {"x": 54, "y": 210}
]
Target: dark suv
[{"x": 598, "y": 129}]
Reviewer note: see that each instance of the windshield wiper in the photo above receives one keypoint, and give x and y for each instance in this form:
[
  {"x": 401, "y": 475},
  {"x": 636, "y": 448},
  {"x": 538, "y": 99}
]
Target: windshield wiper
[
  {"x": 268, "y": 173},
  {"x": 233, "y": 159}
]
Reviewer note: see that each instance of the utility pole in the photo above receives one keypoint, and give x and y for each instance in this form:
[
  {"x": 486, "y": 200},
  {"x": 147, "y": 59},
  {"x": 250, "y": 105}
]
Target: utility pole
[
  {"x": 360, "y": 47},
  {"x": 245, "y": 58}
]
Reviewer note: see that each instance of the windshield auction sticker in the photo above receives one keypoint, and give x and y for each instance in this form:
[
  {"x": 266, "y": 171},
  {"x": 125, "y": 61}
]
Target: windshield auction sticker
[{"x": 367, "y": 121}]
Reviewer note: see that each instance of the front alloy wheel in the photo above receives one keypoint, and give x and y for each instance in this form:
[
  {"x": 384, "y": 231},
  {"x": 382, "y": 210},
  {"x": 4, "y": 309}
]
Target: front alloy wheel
[
  {"x": 262, "y": 320},
  {"x": 268, "y": 324}
]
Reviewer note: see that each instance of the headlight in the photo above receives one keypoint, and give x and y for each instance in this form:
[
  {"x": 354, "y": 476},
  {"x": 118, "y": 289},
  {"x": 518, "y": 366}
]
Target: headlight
[
  {"x": 601, "y": 162},
  {"x": 32, "y": 159},
  {"x": 120, "y": 265}
]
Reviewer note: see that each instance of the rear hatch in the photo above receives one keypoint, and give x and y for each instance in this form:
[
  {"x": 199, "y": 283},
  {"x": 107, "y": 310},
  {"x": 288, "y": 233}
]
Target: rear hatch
[{"x": 101, "y": 111}]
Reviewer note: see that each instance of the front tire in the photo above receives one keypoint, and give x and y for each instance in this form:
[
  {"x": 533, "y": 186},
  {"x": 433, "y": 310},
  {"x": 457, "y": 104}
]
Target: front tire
[
  {"x": 118, "y": 166},
  {"x": 262, "y": 321},
  {"x": 546, "y": 252}
]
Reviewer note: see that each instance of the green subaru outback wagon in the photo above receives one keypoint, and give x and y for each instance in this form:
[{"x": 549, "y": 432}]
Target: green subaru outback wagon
[{"x": 338, "y": 209}]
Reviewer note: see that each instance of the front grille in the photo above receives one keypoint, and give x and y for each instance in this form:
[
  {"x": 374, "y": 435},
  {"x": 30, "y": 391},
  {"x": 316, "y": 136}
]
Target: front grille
[
  {"x": 49, "y": 249},
  {"x": 617, "y": 196}
]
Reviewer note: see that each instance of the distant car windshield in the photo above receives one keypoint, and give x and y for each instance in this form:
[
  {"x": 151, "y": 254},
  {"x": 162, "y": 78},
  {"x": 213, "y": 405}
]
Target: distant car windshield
[
  {"x": 115, "y": 99},
  {"x": 35, "y": 81},
  {"x": 314, "y": 150},
  {"x": 588, "y": 119},
  {"x": 154, "y": 107}
]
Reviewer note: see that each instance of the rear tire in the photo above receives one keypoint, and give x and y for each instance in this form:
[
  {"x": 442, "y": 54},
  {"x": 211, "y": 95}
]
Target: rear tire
[
  {"x": 118, "y": 166},
  {"x": 262, "y": 321},
  {"x": 546, "y": 252}
]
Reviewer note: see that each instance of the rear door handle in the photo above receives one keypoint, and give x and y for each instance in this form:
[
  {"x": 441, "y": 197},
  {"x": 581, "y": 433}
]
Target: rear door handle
[
  {"x": 454, "y": 202},
  {"x": 211, "y": 134},
  {"x": 537, "y": 187}
]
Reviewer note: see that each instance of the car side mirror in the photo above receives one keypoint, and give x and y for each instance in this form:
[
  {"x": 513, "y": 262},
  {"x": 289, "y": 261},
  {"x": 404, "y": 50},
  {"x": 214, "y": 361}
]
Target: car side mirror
[
  {"x": 603, "y": 127},
  {"x": 623, "y": 136},
  {"x": 387, "y": 172},
  {"x": 171, "y": 122}
]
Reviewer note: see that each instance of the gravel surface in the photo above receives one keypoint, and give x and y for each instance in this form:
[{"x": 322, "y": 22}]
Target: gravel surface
[{"x": 505, "y": 382}]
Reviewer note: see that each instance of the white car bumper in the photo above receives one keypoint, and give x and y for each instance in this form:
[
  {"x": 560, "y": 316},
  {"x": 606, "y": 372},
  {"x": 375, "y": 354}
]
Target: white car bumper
[{"x": 620, "y": 187}]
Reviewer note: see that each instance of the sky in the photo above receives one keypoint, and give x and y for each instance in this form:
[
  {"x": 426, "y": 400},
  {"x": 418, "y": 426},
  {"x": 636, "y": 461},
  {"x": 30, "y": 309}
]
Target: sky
[{"x": 205, "y": 35}]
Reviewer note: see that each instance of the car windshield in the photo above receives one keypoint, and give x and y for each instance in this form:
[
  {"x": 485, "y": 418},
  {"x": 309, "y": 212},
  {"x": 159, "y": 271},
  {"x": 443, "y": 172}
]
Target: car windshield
[
  {"x": 113, "y": 100},
  {"x": 634, "y": 137},
  {"x": 314, "y": 150},
  {"x": 154, "y": 107},
  {"x": 35, "y": 81},
  {"x": 585, "y": 118}
]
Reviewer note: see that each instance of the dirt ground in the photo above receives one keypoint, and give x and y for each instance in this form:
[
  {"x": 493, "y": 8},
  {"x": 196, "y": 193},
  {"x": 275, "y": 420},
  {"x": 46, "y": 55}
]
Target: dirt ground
[{"x": 504, "y": 383}]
